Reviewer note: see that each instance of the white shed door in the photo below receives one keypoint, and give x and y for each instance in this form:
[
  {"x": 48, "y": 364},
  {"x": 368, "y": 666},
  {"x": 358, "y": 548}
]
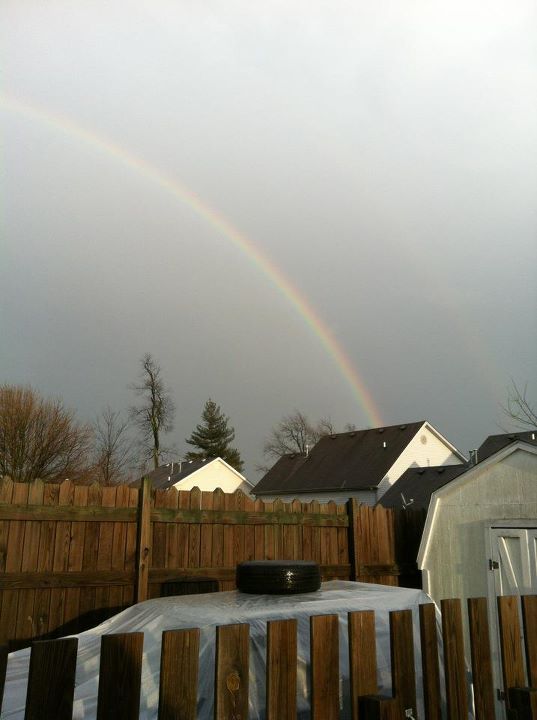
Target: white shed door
[{"x": 514, "y": 551}]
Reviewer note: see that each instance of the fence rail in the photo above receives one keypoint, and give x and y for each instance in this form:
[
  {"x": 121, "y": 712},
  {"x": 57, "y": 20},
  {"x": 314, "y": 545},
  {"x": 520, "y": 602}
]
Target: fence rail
[
  {"x": 69, "y": 553},
  {"x": 53, "y": 664}
]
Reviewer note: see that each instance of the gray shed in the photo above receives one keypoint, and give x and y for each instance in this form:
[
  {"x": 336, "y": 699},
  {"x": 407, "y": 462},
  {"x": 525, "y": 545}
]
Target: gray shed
[{"x": 480, "y": 536}]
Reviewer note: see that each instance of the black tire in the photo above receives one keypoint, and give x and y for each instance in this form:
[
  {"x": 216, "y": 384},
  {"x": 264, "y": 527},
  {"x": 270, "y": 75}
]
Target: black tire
[{"x": 278, "y": 577}]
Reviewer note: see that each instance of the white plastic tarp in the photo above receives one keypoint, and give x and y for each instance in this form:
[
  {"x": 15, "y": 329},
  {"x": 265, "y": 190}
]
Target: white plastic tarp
[{"x": 209, "y": 610}]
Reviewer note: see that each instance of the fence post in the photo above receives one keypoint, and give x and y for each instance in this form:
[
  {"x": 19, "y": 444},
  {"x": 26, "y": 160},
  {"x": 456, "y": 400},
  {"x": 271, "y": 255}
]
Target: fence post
[
  {"x": 353, "y": 511},
  {"x": 143, "y": 542}
]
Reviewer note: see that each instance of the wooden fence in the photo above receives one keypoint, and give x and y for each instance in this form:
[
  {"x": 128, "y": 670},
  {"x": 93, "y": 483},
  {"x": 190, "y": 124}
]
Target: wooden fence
[
  {"x": 53, "y": 664},
  {"x": 73, "y": 555}
]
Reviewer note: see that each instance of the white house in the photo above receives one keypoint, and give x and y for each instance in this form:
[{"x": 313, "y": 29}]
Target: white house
[
  {"x": 360, "y": 463},
  {"x": 205, "y": 474}
]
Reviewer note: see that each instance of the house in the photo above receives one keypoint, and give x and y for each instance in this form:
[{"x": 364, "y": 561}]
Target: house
[
  {"x": 361, "y": 463},
  {"x": 496, "y": 442},
  {"x": 205, "y": 474}
]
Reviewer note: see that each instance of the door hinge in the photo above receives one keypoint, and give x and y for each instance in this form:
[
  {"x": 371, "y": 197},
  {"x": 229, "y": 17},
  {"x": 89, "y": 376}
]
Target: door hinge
[
  {"x": 500, "y": 694},
  {"x": 493, "y": 565}
]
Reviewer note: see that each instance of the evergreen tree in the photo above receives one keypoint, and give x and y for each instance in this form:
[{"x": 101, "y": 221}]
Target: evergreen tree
[{"x": 213, "y": 436}]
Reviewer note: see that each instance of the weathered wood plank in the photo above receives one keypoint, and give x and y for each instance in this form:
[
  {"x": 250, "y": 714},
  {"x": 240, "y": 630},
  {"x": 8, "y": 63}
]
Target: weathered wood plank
[
  {"x": 362, "y": 657},
  {"x": 430, "y": 662},
  {"x": 120, "y": 674},
  {"x": 324, "y": 640},
  {"x": 119, "y": 539},
  {"x": 51, "y": 680},
  {"x": 281, "y": 670},
  {"x": 143, "y": 542},
  {"x": 206, "y": 536},
  {"x": 481, "y": 659},
  {"x": 402, "y": 656},
  {"x": 10, "y": 604},
  {"x": 90, "y": 578},
  {"x": 245, "y": 517},
  {"x": 510, "y": 644},
  {"x": 179, "y": 664},
  {"x": 70, "y": 513},
  {"x": 456, "y": 692},
  {"x": 529, "y": 617},
  {"x": 91, "y": 550},
  {"x": 231, "y": 684},
  {"x": 130, "y": 549}
]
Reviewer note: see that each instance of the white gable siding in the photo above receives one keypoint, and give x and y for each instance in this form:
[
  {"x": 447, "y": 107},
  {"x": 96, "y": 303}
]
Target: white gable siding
[
  {"x": 215, "y": 474},
  {"x": 457, "y": 553},
  {"x": 425, "y": 449}
]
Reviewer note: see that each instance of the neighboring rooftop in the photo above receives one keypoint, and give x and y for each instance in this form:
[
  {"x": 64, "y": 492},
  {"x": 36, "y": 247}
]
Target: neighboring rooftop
[
  {"x": 166, "y": 476},
  {"x": 496, "y": 442},
  {"x": 355, "y": 460},
  {"x": 416, "y": 485}
]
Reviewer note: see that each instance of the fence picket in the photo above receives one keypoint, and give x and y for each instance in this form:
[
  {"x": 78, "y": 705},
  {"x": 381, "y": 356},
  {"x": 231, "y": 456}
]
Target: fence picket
[
  {"x": 529, "y": 616},
  {"x": 53, "y": 668},
  {"x": 179, "y": 665},
  {"x": 362, "y": 657},
  {"x": 51, "y": 680},
  {"x": 120, "y": 673},
  {"x": 510, "y": 646},
  {"x": 454, "y": 667},
  {"x": 430, "y": 662},
  {"x": 481, "y": 659},
  {"x": 143, "y": 542},
  {"x": 231, "y": 685},
  {"x": 402, "y": 655},
  {"x": 324, "y": 641},
  {"x": 281, "y": 669}
]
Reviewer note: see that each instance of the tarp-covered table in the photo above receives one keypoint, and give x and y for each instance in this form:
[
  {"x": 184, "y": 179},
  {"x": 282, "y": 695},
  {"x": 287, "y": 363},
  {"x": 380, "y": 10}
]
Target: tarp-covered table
[{"x": 206, "y": 612}]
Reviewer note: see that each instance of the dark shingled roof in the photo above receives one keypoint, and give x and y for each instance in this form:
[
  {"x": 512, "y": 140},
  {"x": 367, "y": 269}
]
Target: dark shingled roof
[
  {"x": 282, "y": 470},
  {"x": 418, "y": 484},
  {"x": 167, "y": 475},
  {"x": 497, "y": 442},
  {"x": 355, "y": 460}
]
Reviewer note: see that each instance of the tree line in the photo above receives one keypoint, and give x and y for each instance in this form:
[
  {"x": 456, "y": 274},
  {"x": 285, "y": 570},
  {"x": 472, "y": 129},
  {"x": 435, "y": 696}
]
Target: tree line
[{"x": 41, "y": 438}]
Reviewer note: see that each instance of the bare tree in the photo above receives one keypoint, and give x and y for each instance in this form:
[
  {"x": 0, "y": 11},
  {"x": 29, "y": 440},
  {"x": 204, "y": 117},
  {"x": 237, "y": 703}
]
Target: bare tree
[
  {"x": 40, "y": 438},
  {"x": 519, "y": 408},
  {"x": 155, "y": 414},
  {"x": 295, "y": 434},
  {"x": 112, "y": 445}
]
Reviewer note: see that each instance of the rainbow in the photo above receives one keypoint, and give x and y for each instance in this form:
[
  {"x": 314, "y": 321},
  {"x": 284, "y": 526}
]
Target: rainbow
[{"x": 222, "y": 226}]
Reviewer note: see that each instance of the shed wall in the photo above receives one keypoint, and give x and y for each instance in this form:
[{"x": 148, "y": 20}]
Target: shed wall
[{"x": 456, "y": 562}]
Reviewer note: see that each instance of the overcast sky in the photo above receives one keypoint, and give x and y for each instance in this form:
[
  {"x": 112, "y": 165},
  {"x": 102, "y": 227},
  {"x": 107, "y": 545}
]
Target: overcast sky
[{"x": 382, "y": 156}]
